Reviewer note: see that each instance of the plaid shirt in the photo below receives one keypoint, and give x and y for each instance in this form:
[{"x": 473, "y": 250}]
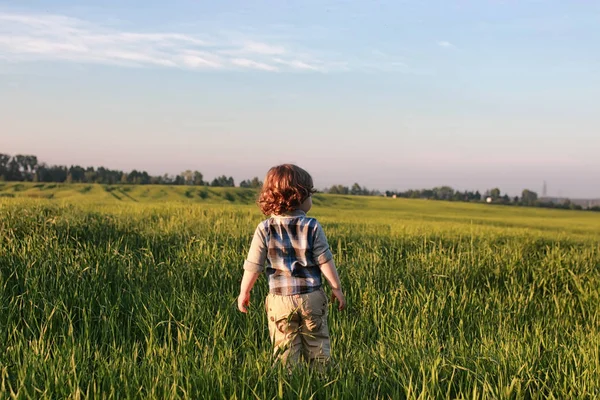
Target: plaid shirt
[{"x": 293, "y": 246}]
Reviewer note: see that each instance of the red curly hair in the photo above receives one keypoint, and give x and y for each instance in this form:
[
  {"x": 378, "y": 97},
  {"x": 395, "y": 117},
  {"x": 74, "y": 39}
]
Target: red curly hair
[{"x": 286, "y": 187}]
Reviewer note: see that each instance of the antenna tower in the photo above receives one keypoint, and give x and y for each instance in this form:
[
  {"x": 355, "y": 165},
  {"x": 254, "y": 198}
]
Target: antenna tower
[{"x": 545, "y": 190}]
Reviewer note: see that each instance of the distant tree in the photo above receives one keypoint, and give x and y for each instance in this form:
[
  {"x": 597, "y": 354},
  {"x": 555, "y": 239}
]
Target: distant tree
[
  {"x": 256, "y": 183},
  {"x": 27, "y": 168},
  {"x": 495, "y": 193},
  {"x": 188, "y": 177},
  {"x": 356, "y": 189},
  {"x": 76, "y": 174},
  {"x": 13, "y": 170},
  {"x": 427, "y": 194},
  {"x": 32, "y": 163},
  {"x": 24, "y": 166},
  {"x": 528, "y": 197},
  {"x": 4, "y": 159},
  {"x": 19, "y": 167},
  {"x": 42, "y": 173},
  {"x": 90, "y": 175},
  {"x": 223, "y": 181},
  {"x": 105, "y": 175},
  {"x": 567, "y": 204},
  {"x": 55, "y": 173},
  {"x": 253, "y": 183},
  {"x": 144, "y": 178},
  {"x": 198, "y": 178},
  {"x": 339, "y": 189},
  {"x": 443, "y": 193},
  {"x": 138, "y": 177}
]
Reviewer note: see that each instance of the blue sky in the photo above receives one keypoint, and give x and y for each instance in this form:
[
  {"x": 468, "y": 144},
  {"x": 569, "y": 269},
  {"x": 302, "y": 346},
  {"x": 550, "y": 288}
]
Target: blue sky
[{"x": 391, "y": 94}]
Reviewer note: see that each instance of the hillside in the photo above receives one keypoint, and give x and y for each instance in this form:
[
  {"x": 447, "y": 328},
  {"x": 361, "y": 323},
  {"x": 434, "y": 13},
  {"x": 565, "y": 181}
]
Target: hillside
[
  {"x": 126, "y": 193},
  {"x": 425, "y": 215}
]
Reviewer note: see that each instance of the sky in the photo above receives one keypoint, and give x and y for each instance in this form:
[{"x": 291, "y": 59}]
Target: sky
[{"x": 390, "y": 94}]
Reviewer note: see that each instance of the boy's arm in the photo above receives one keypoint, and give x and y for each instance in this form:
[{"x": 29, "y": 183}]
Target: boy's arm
[
  {"x": 324, "y": 259},
  {"x": 253, "y": 266},
  {"x": 248, "y": 281},
  {"x": 330, "y": 272}
]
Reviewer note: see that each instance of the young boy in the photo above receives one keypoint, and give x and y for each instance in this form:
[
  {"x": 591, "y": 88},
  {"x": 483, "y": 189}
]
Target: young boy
[{"x": 296, "y": 252}]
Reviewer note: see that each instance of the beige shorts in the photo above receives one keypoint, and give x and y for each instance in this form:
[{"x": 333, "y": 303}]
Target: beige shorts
[{"x": 298, "y": 326}]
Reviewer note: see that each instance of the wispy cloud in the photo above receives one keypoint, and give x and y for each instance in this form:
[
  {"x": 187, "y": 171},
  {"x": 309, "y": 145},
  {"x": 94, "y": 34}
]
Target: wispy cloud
[
  {"x": 27, "y": 37},
  {"x": 200, "y": 59},
  {"x": 297, "y": 64},
  {"x": 31, "y": 37},
  {"x": 244, "y": 62},
  {"x": 263, "y": 48},
  {"x": 445, "y": 44}
]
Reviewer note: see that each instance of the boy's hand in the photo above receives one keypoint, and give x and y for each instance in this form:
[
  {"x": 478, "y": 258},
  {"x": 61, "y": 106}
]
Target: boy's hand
[
  {"x": 337, "y": 294},
  {"x": 243, "y": 302}
]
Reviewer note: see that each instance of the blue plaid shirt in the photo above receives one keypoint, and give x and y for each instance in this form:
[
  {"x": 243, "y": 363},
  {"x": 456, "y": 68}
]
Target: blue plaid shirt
[{"x": 293, "y": 247}]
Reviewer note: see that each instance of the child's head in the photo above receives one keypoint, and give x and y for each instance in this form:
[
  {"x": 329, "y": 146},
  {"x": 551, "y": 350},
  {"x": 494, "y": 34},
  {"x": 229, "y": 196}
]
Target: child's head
[{"x": 287, "y": 187}]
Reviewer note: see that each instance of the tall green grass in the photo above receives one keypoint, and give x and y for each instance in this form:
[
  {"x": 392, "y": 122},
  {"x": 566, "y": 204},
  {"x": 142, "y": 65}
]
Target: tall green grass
[{"x": 128, "y": 299}]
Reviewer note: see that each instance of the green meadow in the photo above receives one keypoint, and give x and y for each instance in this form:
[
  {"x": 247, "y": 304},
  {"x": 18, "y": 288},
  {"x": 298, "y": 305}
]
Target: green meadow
[{"x": 130, "y": 292}]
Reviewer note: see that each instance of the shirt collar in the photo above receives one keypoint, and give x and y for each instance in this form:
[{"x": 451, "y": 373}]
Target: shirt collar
[{"x": 294, "y": 213}]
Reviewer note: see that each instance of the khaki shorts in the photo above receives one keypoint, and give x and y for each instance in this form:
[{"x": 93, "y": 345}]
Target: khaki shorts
[{"x": 298, "y": 326}]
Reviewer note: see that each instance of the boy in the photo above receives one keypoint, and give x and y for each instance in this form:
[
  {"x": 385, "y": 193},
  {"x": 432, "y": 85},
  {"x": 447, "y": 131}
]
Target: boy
[{"x": 296, "y": 252}]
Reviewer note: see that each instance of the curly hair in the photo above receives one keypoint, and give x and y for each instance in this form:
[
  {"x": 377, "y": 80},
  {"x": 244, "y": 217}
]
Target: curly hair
[{"x": 285, "y": 189}]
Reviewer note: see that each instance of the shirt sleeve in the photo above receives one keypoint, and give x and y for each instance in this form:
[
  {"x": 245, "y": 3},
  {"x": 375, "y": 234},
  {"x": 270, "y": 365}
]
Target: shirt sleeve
[
  {"x": 257, "y": 255},
  {"x": 321, "y": 251}
]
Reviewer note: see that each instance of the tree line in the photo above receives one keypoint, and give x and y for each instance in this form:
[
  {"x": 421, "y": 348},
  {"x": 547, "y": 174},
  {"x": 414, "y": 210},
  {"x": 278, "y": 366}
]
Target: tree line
[
  {"x": 27, "y": 168},
  {"x": 528, "y": 197}
]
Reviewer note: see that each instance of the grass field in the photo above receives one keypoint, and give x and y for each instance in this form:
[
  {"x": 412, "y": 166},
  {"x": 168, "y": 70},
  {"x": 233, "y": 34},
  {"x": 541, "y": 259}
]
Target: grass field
[{"x": 129, "y": 292}]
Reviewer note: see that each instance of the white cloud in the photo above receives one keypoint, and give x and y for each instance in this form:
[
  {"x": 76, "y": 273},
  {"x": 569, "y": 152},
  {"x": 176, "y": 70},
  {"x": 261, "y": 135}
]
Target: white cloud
[
  {"x": 446, "y": 44},
  {"x": 140, "y": 58},
  {"x": 165, "y": 38},
  {"x": 244, "y": 62},
  {"x": 27, "y": 37},
  {"x": 200, "y": 59},
  {"x": 33, "y": 37},
  {"x": 297, "y": 64}
]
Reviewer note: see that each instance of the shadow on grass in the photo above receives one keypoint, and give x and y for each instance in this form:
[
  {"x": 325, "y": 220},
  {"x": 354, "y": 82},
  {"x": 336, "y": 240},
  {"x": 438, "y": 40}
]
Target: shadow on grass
[
  {"x": 124, "y": 193},
  {"x": 109, "y": 190}
]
